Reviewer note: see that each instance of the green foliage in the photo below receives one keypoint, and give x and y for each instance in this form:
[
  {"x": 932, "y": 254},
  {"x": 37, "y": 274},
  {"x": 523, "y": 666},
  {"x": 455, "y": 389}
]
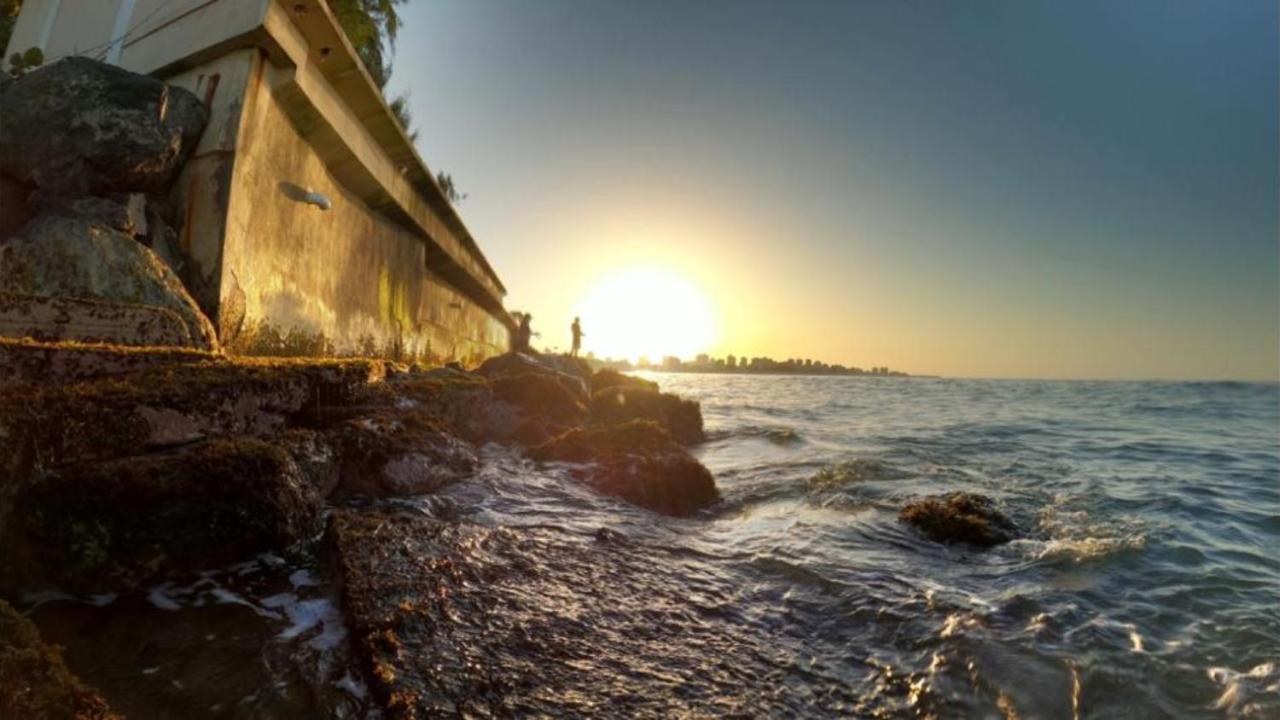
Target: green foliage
[
  {"x": 371, "y": 26},
  {"x": 8, "y": 16},
  {"x": 445, "y": 181},
  {"x": 400, "y": 108},
  {"x": 21, "y": 63}
]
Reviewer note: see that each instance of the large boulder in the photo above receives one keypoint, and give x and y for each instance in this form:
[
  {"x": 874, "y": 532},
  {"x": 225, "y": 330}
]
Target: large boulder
[
  {"x": 36, "y": 682},
  {"x": 959, "y": 517},
  {"x": 682, "y": 418},
  {"x": 125, "y": 521},
  {"x": 80, "y": 126},
  {"x": 637, "y": 461},
  {"x": 59, "y": 256},
  {"x": 573, "y": 374},
  {"x": 609, "y": 378}
]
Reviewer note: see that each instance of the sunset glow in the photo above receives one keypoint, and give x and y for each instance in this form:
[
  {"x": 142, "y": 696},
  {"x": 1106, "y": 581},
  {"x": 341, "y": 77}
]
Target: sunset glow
[{"x": 647, "y": 311}]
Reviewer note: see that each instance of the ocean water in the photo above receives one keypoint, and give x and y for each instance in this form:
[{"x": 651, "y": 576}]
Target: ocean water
[{"x": 1147, "y": 584}]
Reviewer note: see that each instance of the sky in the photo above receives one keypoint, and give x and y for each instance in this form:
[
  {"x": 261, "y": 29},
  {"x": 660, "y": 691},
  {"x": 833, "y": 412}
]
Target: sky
[{"x": 980, "y": 189}]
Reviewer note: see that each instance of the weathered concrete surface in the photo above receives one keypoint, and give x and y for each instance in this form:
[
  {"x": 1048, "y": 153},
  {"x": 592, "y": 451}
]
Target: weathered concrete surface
[
  {"x": 352, "y": 279},
  {"x": 121, "y": 522},
  {"x": 35, "y": 684},
  {"x": 78, "y": 127},
  {"x": 53, "y": 319},
  {"x": 56, "y": 256}
]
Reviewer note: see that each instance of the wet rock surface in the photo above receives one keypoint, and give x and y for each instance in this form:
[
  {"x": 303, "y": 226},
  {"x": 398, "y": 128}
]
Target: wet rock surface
[
  {"x": 122, "y": 522},
  {"x": 960, "y": 517},
  {"x": 35, "y": 684},
  {"x": 163, "y": 474},
  {"x": 457, "y": 619},
  {"x": 682, "y": 418},
  {"x": 637, "y": 461}
]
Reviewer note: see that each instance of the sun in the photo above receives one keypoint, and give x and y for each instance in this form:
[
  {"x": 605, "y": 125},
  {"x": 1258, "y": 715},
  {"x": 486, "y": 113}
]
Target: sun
[{"x": 646, "y": 311}]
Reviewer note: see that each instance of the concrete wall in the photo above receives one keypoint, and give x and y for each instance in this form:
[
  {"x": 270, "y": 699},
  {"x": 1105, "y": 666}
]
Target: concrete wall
[
  {"x": 390, "y": 268},
  {"x": 349, "y": 276}
]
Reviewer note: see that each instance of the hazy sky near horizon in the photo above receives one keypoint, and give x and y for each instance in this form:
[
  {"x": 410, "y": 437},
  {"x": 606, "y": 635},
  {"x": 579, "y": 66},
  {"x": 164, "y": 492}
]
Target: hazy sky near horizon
[{"x": 1009, "y": 189}]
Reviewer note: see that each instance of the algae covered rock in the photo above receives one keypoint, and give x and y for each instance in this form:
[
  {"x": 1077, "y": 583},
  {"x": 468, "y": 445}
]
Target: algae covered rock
[
  {"x": 59, "y": 256},
  {"x": 81, "y": 126},
  {"x": 959, "y": 517},
  {"x": 539, "y": 395},
  {"x": 35, "y": 684},
  {"x": 129, "y": 519},
  {"x": 682, "y": 418},
  {"x": 608, "y": 378},
  {"x": 573, "y": 374},
  {"x": 595, "y": 443},
  {"x": 639, "y": 462}
]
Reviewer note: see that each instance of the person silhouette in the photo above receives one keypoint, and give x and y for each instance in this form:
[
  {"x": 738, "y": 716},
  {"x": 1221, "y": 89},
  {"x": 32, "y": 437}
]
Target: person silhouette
[
  {"x": 576, "y": 329},
  {"x": 523, "y": 334}
]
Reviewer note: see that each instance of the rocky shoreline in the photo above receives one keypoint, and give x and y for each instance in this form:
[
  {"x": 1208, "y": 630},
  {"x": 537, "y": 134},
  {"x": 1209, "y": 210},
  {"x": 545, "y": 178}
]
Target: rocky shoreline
[{"x": 121, "y": 481}]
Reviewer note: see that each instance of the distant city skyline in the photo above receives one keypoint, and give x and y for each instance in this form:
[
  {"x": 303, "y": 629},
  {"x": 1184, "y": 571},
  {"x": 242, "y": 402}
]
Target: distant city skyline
[{"x": 987, "y": 189}]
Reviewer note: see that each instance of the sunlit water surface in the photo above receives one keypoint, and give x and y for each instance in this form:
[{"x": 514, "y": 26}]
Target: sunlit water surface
[{"x": 1147, "y": 586}]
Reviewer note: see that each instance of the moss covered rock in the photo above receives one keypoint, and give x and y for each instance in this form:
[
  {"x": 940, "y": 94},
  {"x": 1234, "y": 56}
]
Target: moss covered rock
[
  {"x": 959, "y": 517},
  {"x": 79, "y": 125},
  {"x": 609, "y": 378},
  {"x": 59, "y": 256},
  {"x": 35, "y": 684},
  {"x": 124, "y": 521},
  {"x": 682, "y": 418},
  {"x": 637, "y": 461}
]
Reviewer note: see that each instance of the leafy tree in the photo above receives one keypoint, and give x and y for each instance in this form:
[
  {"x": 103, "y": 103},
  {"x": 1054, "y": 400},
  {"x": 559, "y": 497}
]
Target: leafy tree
[
  {"x": 445, "y": 181},
  {"x": 8, "y": 16},
  {"x": 371, "y": 26}
]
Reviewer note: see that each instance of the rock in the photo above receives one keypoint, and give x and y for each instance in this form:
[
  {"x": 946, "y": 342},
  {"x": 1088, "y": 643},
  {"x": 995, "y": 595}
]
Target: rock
[
  {"x": 57, "y": 363},
  {"x": 959, "y": 517},
  {"x": 55, "y": 319},
  {"x": 525, "y": 364},
  {"x": 596, "y": 443},
  {"x": 608, "y": 378},
  {"x": 669, "y": 483},
  {"x": 541, "y": 396},
  {"x": 55, "y": 256},
  {"x": 129, "y": 520},
  {"x": 13, "y": 206},
  {"x": 47, "y": 426},
  {"x": 79, "y": 126},
  {"x": 682, "y": 418},
  {"x": 399, "y": 453},
  {"x": 458, "y": 400},
  {"x": 126, "y": 213},
  {"x": 37, "y": 684},
  {"x": 637, "y": 461},
  {"x": 316, "y": 457}
]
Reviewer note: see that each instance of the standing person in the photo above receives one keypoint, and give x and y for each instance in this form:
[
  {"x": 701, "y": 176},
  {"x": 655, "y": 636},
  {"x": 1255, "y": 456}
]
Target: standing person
[
  {"x": 523, "y": 334},
  {"x": 576, "y": 329}
]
